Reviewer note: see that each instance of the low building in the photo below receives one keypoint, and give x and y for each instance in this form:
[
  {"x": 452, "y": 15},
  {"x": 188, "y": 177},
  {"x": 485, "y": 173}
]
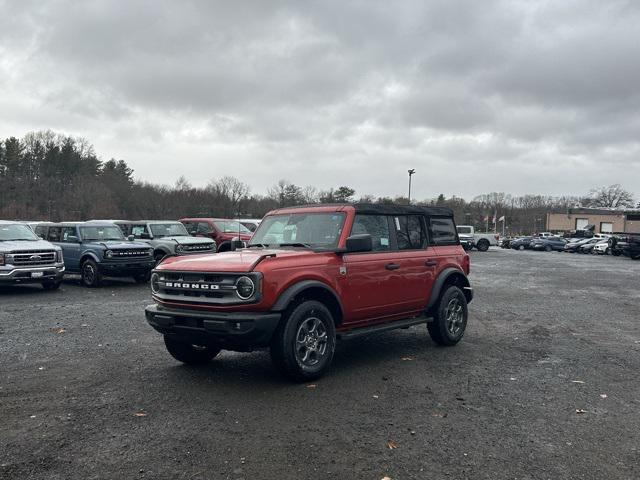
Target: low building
[{"x": 606, "y": 220}]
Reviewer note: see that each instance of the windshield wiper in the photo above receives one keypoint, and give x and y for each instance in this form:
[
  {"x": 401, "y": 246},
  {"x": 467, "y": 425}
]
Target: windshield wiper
[{"x": 298, "y": 244}]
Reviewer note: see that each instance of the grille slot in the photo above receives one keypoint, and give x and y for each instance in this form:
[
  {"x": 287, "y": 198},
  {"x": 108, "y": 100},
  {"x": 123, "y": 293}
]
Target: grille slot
[
  {"x": 130, "y": 253},
  {"x": 197, "y": 247}
]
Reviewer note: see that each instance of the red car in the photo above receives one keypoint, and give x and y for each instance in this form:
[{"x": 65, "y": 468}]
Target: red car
[
  {"x": 312, "y": 275},
  {"x": 222, "y": 230}
]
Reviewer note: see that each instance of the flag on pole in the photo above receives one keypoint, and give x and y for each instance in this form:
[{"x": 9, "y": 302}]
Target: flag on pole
[{"x": 501, "y": 219}]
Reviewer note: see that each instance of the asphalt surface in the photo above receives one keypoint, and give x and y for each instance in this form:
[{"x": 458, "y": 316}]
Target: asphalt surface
[{"x": 545, "y": 385}]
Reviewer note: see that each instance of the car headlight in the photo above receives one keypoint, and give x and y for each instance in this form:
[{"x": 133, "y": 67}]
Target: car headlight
[
  {"x": 150, "y": 252},
  {"x": 179, "y": 249},
  {"x": 155, "y": 283},
  {"x": 245, "y": 288},
  {"x": 59, "y": 257},
  {"x": 1, "y": 258},
  {"x": 108, "y": 254}
]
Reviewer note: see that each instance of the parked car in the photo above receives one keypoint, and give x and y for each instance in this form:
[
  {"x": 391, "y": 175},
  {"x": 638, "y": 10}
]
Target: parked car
[
  {"x": 602, "y": 248},
  {"x": 575, "y": 245},
  {"x": 626, "y": 244},
  {"x": 226, "y": 233},
  {"x": 311, "y": 275},
  {"x": 251, "y": 224},
  {"x": 505, "y": 242},
  {"x": 166, "y": 237},
  {"x": 481, "y": 241},
  {"x": 589, "y": 246},
  {"x": 521, "y": 243},
  {"x": 548, "y": 244},
  {"x": 25, "y": 258},
  {"x": 97, "y": 249}
]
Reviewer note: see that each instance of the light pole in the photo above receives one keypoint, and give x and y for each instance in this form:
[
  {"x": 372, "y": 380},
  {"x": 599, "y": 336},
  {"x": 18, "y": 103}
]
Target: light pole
[{"x": 411, "y": 172}]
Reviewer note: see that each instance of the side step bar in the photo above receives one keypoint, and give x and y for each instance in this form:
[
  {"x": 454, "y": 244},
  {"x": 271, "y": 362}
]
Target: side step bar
[{"x": 383, "y": 327}]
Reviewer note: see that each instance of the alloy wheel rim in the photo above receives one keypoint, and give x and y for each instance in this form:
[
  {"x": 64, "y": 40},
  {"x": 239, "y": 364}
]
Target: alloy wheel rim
[
  {"x": 454, "y": 316},
  {"x": 89, "y": 274},
  {"x": 311, "y": 342}
]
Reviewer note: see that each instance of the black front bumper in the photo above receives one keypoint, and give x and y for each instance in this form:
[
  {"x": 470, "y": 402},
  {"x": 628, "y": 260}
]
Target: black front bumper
[
  {"x": 231, "y": 331},
  {"x": 128, "y": 269}
]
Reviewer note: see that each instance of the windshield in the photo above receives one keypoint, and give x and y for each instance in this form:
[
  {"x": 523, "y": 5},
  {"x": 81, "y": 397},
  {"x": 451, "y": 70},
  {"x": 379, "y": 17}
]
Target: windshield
[
  {"x": 169, "y": 230},
  {"x": 309, "y": 229},
  {"x": 101, "y": 233},
  {"x": 464, "y": 229},
  {"x": 16, "y": 231},
  {"x": 230, "y": 226}
]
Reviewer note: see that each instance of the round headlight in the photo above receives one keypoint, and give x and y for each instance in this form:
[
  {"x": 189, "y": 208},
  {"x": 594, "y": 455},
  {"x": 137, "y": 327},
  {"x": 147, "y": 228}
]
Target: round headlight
[
  {"x": 155, "y": 283},
  {"x": 179, "y": 249},
  {"x": 108, "y": 254},
  {"x": 245, "y": 288}
]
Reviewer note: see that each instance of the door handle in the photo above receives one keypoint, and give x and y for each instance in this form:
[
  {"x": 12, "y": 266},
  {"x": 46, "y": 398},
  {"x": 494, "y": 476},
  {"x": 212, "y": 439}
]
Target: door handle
[
  {"x": 430, "y": 263},
  {"x": 392, "y": 266}
]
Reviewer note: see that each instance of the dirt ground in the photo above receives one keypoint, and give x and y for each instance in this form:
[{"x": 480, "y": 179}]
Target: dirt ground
[{"x": 545, "y": 385}]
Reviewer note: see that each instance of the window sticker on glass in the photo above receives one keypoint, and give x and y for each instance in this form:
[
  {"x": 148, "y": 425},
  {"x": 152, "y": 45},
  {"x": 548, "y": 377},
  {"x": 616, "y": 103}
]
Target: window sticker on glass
[
  {"x": 397, "y": 223},
  {"x": 385, "y": 241}
]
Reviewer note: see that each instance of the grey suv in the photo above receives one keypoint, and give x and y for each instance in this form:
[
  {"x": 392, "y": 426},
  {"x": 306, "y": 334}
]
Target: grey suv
[
  {"x": 26, "y": 258},
  {"x": 166, "y": 237}
]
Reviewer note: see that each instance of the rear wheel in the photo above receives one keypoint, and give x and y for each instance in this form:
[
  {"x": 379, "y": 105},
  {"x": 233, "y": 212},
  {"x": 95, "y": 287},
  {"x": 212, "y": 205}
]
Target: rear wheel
[
  {"x": 89, "y": 274},
  {"x": 482, "y": 245},
  {"x": 304, "y": 343},
  {"x": 521, "y": 247},
  {"x": 189, "y": 353},
  {"x": 450, "y": 319}
]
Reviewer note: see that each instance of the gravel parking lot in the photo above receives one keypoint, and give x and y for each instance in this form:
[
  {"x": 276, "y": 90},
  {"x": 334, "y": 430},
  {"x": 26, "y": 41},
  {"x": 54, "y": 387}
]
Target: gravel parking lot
[{"x": 545, "y": 385}]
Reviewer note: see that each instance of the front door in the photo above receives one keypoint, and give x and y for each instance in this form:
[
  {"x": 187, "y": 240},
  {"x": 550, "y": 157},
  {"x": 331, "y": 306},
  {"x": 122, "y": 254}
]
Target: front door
[{"x": 70, "y": 243}]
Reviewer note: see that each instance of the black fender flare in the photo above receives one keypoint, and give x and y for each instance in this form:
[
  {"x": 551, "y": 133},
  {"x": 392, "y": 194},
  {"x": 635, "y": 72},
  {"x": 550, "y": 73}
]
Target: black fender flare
[
  {"x": 286, "y": 297},
  {"x": 86, "y": 255},
  {"x": 163, "y": 250},
  {"x": 445, "y": 275}
]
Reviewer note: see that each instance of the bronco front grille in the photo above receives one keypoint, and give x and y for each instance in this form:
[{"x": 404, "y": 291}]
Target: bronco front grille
[
  {"x": 33, "y": 258},
  {"x": 130, "y": 253},
  {"x": 198, "y": 247},
  {"x": 201, "y": 288}
]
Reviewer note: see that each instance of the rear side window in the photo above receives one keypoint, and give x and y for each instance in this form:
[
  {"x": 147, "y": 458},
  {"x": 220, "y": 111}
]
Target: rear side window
[
  {"x": 41, "y": 231},
  {"x": 68, "y": 232},
  {"x": 410, "y": 232},
  {"x": 443, "y": 231},
  {"x": 138, "y": 230},
  {"x": 375, "y": 225}
]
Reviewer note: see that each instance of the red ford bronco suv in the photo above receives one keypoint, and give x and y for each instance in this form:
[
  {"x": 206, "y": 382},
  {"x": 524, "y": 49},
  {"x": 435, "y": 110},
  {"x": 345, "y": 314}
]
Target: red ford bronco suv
[{"x": 312, "y": 275}]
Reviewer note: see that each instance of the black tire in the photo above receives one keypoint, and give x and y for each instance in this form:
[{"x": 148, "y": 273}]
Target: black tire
[
  {"x": 482, "y": 245},
  {"x": 89, "y": 274},
  {"x": 158, "y": 257},
  {"x": 616, "y": 252},
  {"x": 303, "y": 344},
  {"x": 521, "y": 247},
  {"x": 188, "y": 353},
  {"x": 607, "y": 251},
  {"x": 142, "y": 277},
  {"x": 548, "y": 248},
  {"x": 51, "y": 284},
  {"x": 450, "y": 318}
]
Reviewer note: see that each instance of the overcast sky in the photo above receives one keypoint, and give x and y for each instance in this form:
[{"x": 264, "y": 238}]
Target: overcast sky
[{"x": 477, "y": 96}]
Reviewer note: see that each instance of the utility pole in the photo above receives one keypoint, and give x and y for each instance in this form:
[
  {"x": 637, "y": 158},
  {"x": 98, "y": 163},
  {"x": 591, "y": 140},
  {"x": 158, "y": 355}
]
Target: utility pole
[{"x": 411, "y": 172}]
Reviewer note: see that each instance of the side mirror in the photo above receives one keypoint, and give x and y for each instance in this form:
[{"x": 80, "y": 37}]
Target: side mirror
[
  {"x": 236, "y": 244},
  {"x": 193, "y": 233},
  {"x": 131, "y": 238},
  {"x": 359, "y": 243}
]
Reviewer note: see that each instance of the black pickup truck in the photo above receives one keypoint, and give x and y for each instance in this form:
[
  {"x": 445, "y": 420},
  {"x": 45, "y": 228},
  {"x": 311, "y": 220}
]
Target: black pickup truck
[{"x": 627, "y": 244}]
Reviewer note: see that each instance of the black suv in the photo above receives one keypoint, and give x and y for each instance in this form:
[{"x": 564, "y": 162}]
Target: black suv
[{"x": 626, "y": 244}]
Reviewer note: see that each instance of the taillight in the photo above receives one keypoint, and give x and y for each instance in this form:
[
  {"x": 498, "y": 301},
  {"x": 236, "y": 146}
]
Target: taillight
[{"x": 466, "y": 264}]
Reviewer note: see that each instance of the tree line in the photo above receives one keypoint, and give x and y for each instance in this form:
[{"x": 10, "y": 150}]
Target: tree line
[{"x": 48, "y": 176}]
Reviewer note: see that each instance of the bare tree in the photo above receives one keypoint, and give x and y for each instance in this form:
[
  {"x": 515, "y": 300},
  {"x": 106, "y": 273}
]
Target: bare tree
[{"x": 613, "y": 196}]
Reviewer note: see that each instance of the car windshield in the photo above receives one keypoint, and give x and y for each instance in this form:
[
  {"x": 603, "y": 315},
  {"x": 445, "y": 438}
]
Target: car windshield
[
  {"x": 101, "y": 233},
  {"x": 300, "y": 229},
  {"x": 168, "y": 230},
  {"x": 231, "y": 226},
  {"x": 15, "y": 232}
]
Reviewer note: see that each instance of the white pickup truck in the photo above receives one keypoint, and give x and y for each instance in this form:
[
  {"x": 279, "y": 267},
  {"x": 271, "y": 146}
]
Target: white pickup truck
[{"x": 470, "y": 239}]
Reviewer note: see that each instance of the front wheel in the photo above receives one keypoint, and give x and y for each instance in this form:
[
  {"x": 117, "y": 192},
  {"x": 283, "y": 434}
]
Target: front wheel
[
  {"x": 521, "y": 247},
  {"x": 89, "y": 275},
  {"x": 450, "y": 319},
  {"x": 188, "y": 353},
  {"x": 51, "y": 284},
  {"x": 304, "y": 343},
  {"x": 547, "y": 248}
]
